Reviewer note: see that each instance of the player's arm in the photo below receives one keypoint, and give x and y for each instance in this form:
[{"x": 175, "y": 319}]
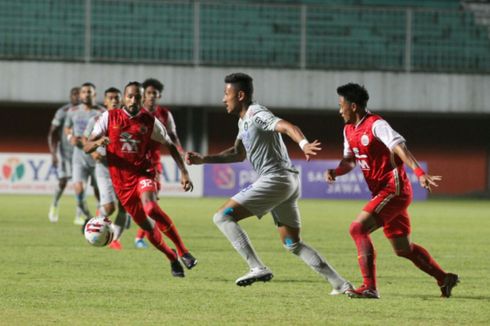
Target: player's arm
[
  {"x": 98, "y": 136},
  {"x": 237, "y": 153},
  {"x": 160, "y": 135},
  {"x": 425, "y": 180},
  {"x": 86, "y": 135},
  {"x": 172, "y": 133},
  {"x": 53, "y": 141},
  {"x": 345, "y": 166},
  {"x": 295, "y": 133}
]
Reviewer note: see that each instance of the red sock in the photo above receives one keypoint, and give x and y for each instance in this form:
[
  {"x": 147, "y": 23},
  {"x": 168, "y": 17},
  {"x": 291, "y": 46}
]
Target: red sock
[
  {"x": 423, "y": 260},
  {"x": 156, "y": 239},
  {"x": 366, "y": 255},
  {"x": 166, "y": 225},
  {"x": 140, "y": 234}
]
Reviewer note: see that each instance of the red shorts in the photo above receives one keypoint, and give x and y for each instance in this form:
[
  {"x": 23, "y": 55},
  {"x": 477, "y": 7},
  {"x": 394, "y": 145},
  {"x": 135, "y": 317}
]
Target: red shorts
[
  {"x": 131, "y": 197},
  {"x": 391, "y": 212}
]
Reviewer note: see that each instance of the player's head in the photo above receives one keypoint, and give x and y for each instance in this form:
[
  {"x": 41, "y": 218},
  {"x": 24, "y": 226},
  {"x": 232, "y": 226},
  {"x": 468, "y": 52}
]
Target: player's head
[
  {"x": 153, "y": 91},
  {"x": 75, "y": 95},
  {"x": 353, "y": 100},
  {"x": 239, "y": 90},
  {"x": 112, "y": 98},
  {"x": 133, "y": 95},
  {"x": 87, "y": 94}
]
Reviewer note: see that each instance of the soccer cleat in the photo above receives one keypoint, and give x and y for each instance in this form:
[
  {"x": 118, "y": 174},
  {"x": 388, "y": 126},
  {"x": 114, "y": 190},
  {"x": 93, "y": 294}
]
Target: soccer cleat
[
  {"x": 79, "y": 220},
  {"x": 347, "y": 286},
  {"x": 140, "y": 244},
  {"x": 188, "y": 260},
  {"x": 363, "y": 292},
  {"x": 256, "y": 274},
  {"x": 53, "y": 214},
  {"x": 176, "y": 269},
  {"x": 116, "y": 245},
  {"x": 450, "y": 281},
  {"x": 84, "y": 224}
]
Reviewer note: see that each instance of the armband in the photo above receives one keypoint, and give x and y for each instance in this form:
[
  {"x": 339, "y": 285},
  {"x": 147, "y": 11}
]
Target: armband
[{"x": 303, "y": 143}]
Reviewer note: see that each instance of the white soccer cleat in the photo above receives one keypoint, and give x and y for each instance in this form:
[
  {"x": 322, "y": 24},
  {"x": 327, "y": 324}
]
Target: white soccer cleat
[
  {"x": 343, "y": 289},
  {"x": 79, "y": 220},
  {"x": 256, "y": 274},
  {"x": 53, "y": 214}
]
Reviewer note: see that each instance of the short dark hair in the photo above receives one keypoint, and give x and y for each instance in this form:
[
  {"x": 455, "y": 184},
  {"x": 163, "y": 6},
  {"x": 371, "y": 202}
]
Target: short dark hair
[
  {"x": 75, "y": 89},
  {"x": 89, "y": 84},
  {"x": 153, "y": 82},
  {"x": 112, "y": 90},
  {"x": 354, "y": 93},
  {"x": 132, "y": 83},
  {"x": 242, "y": 81}
]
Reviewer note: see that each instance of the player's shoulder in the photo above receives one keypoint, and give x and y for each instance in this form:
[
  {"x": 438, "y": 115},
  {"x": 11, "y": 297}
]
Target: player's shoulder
[
  {"x": 255, "y": 109},
  {"x": 162, "y": 109}
]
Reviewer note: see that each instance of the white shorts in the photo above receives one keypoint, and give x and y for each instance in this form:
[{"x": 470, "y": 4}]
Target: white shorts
[
  {"x": 81, "y": 173},
  {"x": 277, "y": 194},
  {"x": 64, "y": 169},
  {"x": 104, "y": 182}
]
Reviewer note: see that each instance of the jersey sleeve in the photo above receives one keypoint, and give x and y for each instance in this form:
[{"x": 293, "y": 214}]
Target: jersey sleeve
[
  {"x": 383, "y": 131},
  {"x": 160, "y": 134},
  {"x": 265, "y": 120},
  {"x": 347, "y": 150},
  {"x": 69, "y": 120},
  {"x": 100, "y": 125},
  {"x": 170, "y": 125},
  {"x": 90, "y": 126},
  {"x": 59, "y": 118}
]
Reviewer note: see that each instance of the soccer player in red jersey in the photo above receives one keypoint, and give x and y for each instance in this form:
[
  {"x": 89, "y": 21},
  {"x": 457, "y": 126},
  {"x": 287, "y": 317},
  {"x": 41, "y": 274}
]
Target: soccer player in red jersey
[
  {"x": 127, "y": 134},
  {"x": 381, "y": 152},
  {"x": 153, "y": 90}
]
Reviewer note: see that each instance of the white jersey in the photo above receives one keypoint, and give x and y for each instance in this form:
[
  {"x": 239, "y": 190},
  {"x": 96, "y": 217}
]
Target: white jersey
[
  {"x": 265, "y": 148},
  {"x": 65, "y": 148}
]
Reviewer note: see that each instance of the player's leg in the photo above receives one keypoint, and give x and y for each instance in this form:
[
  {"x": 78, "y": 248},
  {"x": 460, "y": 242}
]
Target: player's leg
[
  {"x": 397, "y": 232},
  {"x": 226, "y": 219},
  {"x": 360, "y": 231},
  {"x": 147, "y": 190},
  {"x": 80, "y": 178},
  {"x": 64, "y": 174}
]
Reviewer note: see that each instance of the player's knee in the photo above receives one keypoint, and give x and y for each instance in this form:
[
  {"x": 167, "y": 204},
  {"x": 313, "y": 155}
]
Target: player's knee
[
  {"x": 356, "y": 229},
  {"x": 292, "y": 246},
  {"x": 109, "y": 209},
  {"x": 222, "y": 216}
]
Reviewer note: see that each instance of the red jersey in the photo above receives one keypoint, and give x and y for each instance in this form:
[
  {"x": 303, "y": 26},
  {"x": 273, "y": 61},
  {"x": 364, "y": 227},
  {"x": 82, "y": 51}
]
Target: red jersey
[
  {"x": 130, "y": 139},
  {"x": 164, "y": 116},
  {"x": 382, "y": 169}
]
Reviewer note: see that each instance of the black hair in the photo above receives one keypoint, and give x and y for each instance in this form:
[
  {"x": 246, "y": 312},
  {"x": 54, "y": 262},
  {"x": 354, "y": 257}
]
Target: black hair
[
  {"x": 354, "y": 93},
  {"x": 75, "y": 89},
  {"x": 242, "y": 81},
  {"x": 133, "y": 83},
  {"x": 89, "y": 84},
  {"x": 112, "y": 90},
  {"x": 153, "y": 82}
]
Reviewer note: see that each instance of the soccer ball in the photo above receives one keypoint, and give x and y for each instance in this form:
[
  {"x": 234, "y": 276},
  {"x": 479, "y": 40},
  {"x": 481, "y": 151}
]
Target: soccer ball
[{"x": 98, "y": 231}]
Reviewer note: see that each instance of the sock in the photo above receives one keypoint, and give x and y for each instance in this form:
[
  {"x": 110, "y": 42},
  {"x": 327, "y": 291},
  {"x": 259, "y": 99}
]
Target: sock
[
  {"x": 313, "y": 259},
  {"x": 156, "y": 239},
  {"x": 117, "y": 231},
  {"x": 166, "y": 225},
  {"x": 423, "y": 260},
  {"x": 238, "y": 238},
  {"x": 366, "y": 255},
  {"x": 119, "y": 223},
  {"x": 57, "y": 195},
  {"x": 140, "y": 234},
  {"x": 78, "y": 212},
  {"x": 82, "y": 204}
]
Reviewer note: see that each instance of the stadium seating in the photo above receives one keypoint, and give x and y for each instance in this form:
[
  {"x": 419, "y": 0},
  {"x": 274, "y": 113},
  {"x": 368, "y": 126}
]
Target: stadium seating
[{"x": 347, "y": 34}]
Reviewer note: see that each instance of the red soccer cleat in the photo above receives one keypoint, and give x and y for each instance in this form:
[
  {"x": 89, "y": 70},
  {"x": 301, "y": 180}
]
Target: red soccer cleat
[
  {"x": 363, "y": 292},
  {"x": 116, "y": 245}
]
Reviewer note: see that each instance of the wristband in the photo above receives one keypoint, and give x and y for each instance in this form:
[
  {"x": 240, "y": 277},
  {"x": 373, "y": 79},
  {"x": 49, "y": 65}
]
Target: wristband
[
  {"x": 303, "y": 143},
  {"x": 419, "y": 172}
]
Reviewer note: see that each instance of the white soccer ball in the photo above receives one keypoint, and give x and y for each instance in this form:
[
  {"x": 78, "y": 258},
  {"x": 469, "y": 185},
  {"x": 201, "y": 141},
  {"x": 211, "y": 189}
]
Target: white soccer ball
[{"x": 99, "y": 231}]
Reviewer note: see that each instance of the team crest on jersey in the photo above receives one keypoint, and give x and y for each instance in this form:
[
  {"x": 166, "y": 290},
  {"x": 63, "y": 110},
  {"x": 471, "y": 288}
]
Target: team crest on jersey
[
  {"x": 365, "y": 140},
  {"x": 129, "y": 145},
  {"x": 143, "y": 129}
]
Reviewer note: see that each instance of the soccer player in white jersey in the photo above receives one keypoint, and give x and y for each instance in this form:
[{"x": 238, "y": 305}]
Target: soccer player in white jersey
[
  {"x": 276, "y": 190},
  {"x": 59, "y": 145},
  {"x": 108, "y": 198},
  {"x": 83, "y": 164}
]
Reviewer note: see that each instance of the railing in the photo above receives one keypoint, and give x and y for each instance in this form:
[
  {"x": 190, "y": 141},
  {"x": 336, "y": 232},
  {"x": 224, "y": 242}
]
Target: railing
[{"x": 260, "y": 35}]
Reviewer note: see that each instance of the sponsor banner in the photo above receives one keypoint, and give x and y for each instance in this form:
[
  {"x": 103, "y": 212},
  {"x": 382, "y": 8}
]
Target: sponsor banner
[
  {"x": 228, "y": 179},
  {"x": 27, "y": 173}
]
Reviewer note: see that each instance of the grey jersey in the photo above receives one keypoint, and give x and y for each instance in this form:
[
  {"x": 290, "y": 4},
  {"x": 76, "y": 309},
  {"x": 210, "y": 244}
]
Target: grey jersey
[
  {"x": 88, "y": 131},
  {"x": 65, "y": 148},
  {"x": 77, "y": 119},
  {"x": 265, "y": 148}
]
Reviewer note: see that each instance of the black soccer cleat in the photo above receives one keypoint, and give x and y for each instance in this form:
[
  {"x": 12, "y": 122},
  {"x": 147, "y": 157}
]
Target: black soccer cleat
[
  {"x": 176, "y": 269},
  {"x": 450, "y": 281},
  {"x": 188, "y": 260}
]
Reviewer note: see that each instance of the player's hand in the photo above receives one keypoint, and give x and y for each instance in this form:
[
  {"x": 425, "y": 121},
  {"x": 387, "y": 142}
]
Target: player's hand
[
  {"x": 186, "y": 182},
  {"x": 311, "y": 149},
  {"x": 96, "y": 156},
  {"x": 330, "y": 176},
  {"x": 104, "y": 141},
  {"x": 427, "y": 181},
  {"x": 193, "y": 158}
]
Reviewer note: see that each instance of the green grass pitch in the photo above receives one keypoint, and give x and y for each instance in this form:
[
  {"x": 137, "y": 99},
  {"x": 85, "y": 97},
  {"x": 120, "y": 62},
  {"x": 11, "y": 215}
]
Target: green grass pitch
[{"x": 49, "y": 275}]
